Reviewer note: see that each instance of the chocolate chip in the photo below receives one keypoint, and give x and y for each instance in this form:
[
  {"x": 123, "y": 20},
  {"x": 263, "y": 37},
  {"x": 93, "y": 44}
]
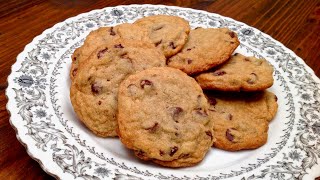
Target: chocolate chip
[
  {"x": 153, "y": 128},
  {"x": 229, "y": 135},
  {"x": 161, "y": 153},
  {"x": 208, "y": 133},
  {"x": 157, "y": 43},
  {"x": 175, "y": 112},
  {"x": 124, "y": 55},
  {"x": 253, "y": 78},
  {"x": 74, "y": 72},
  {"x": 212, "y": 101},
  {"x": 189, "y": 49},
  {"x": 236, "y": 54},
  {"x": 101, "y": 53},
  {"x": 112, "y": 33},
  {"x": 140, "y": 153},
  {"x": 219, "y": 73},
  {"x": 173, "y": 150},
  {"x": 229, "y": 117},
  {"x": 168, "y": 61},
  {"x": 232, "y": 34},
  {"x": 144, "y": 83},
  {"x": 189, "y": 61},
  {"x": 176, "y": 134},
  {"x": 275, "y": 97},
  {"x": 99, "y": 102},
  {"x": 95, "y": 88},
  {"x": 247, "y": 59},
  {"x": 74, "y": 58},
  {"x": 171, "y": 44},
  {"x": 118, "y": 46}
]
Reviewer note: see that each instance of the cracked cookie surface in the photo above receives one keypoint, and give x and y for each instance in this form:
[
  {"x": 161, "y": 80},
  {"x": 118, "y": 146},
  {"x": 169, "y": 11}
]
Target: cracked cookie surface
[
  {"x": 162, "y": 116},
  {"x": 94, "y": 90}
]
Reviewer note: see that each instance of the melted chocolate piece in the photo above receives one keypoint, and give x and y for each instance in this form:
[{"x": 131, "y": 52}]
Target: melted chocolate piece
[
  {"x": 95, "y": 88},
  {"x": 153, "y": 128},
  {"x": 232, "y": 34},
  {"x": 101, "y": 53},
  {"x": 144, "y": 83},
  {"x": 157, "y": 43},
  {"x": 112, "y": 33},
  {"x": 208, "y": 133},
  {"x": 173, "y": 150},
  {"x": 212, "y": 101},
  {"x": 219, "y": 73},
  {"x": 171, "y": 44},
  {"x": 175, "y": 113},
  {"x": 229, "y": 135},
  {"x": 74, "y": 72},
  {"x": 118, "y": 46}
]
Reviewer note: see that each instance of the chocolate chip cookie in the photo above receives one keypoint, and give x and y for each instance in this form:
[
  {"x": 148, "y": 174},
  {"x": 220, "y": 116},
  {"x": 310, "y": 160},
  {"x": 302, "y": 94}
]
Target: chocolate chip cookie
[
  {"x": 168, "y": 33},
  {"x": 94, "y": 90},
  {"x": 103, "y": 35},
  {"x": 205, "y": 49},
  {"x": 163, "y": 117},
  {"x": 240, "y": 73},
  {"x": 241, "y": 119}
]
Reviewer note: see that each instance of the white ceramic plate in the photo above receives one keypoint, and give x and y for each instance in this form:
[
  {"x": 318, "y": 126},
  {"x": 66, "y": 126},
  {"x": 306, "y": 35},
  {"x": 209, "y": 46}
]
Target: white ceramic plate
[{"x": 46, "y": 124}]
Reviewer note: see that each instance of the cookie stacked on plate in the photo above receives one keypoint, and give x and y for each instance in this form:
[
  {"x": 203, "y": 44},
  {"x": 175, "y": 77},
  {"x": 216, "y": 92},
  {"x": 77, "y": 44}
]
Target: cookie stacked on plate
[
  {"x": 239, "y": 102},
  {"x": 143, "y": 82}
]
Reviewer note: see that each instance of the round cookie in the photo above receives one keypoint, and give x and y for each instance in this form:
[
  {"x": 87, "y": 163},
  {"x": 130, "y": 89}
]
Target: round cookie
[
  {"x": 162, "y": 116},
  {"x": 94, "y": 90},
  {"x": 104, "y": 35},
  {"x": 241, "y": 119},
  {"x": 168, "y": 33},
  {"x": 205, "y": 49},
  {"x": 240, "y": 73}
]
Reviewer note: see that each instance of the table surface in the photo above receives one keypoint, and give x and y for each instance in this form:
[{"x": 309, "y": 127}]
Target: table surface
[{"x": 294, "y": 23}]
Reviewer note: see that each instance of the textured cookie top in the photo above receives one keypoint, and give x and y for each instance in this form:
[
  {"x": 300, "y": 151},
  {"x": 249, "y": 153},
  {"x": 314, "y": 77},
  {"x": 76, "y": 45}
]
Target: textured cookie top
[
  {"x": 162, "y": 116},
  {"x": 205, "y": 49},
  {"x": 104, "y": 35},
  {"x": 112, "y": 61},
  {"x": 168, "y": 33},
  {"x": 240, "y": 73},
  {"x": 241, "y": 119},
  {"x": 95, "y": 88}
]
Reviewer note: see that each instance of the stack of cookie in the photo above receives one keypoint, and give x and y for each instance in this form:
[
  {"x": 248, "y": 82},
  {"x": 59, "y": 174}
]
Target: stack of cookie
[
  {"x": 143, "y": 82},
  {"x": 239, "y": 104}
]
